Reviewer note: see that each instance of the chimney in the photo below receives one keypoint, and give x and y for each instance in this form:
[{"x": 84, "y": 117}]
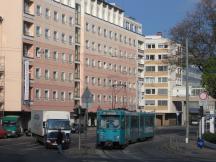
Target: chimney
[{"x": 159, "y": 34}]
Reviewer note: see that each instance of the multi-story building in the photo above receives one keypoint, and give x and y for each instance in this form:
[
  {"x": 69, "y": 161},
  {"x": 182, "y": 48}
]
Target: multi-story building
[
  {"x": 195, "y": 88},
  {"x": 159, "y": 79},
  {"x": 54, "y": 49}
]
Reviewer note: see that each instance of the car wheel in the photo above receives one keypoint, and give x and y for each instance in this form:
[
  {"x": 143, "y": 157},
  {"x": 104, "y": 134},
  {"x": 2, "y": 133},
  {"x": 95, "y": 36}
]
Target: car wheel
[{"x": 5, "y": 136}]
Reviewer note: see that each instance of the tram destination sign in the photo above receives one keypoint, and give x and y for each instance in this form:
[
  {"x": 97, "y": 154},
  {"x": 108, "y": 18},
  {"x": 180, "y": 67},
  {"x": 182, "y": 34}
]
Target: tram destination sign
[{"x": 110, "y": 113}]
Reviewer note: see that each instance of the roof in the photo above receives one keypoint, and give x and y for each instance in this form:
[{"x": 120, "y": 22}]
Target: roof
[{"x": 111, "y": 5}]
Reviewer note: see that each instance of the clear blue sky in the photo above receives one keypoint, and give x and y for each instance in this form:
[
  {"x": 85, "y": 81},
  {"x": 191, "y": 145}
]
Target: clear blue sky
[{"x": 156, "y": 15}]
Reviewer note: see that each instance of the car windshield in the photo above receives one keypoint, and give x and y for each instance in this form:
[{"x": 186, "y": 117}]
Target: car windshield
[
  {"x": 110, "y": 122},
  {"x": 9, "y": 123},
  {"x": 56, "y": 124}
]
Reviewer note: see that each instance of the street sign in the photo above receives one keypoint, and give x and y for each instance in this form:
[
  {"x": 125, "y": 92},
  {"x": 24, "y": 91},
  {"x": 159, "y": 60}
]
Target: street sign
[
  {"x": 203, "y": 103},
  {"x": 203, "y": 96},
  {"x": 200, "y": 143},
  {"x": 87, "y": 98},
  {"x": 177, "y": 113}
]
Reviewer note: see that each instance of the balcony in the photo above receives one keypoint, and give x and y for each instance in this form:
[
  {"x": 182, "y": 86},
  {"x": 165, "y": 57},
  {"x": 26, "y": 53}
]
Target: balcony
[
  {"x": 78, "y": 19},
  {"x": 78, "y": 14},
  {"x": 140, "y": 61},
  {"x": 29, "y": 8},
  {"x": 141, "y": 51},
  {"x": 28, "y": 50},
  {"x": 140, "y": 75},
  {"x": 77, "y": 35},
  {"x": 77, "y": 53},
  {"x": 77, "y": 76},
  {"x": 1, "y": 99},
  {"x": 77, "y": 95},
  {"x": 2, "y": 68},
  {"x": 28, "y": 30},
  {"x": 1, "y": 83},
  {"x": 141, "y": 66}
]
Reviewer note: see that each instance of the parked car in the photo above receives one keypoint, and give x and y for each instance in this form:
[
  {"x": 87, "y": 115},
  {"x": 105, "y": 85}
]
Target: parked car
[
  {"x": 75, "y": 128},
  {"x": 3, "y": 133},
  {"x": 13, "y": 125}
]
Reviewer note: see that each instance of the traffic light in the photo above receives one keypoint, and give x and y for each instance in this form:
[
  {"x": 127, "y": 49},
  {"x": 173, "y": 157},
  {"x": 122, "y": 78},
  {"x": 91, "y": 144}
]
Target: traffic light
[
  {"x": 201, "y": 111},
  {"x": 79, "y": 111}
]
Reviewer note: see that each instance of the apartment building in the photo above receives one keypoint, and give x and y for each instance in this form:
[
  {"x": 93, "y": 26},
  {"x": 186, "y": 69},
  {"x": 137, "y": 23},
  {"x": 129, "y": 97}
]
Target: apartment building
[
  {"x": 54, "y": 49},
  {"x": 159, "y": 79}
]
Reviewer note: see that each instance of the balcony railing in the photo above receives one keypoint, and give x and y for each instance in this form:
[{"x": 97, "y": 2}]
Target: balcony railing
[
  {"x": 77, "y": 76},
  {"x": 76, "y": 94},
  {"x": 141, "y": 51},
  {"x": 77, "y": 58},
  {"x": 2, "y": 68},
  {"x": 1, "y": 99}
]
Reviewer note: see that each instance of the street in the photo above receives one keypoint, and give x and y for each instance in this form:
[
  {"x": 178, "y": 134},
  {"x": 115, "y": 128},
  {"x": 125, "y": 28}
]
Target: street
[{"x": 167, "y": 145}]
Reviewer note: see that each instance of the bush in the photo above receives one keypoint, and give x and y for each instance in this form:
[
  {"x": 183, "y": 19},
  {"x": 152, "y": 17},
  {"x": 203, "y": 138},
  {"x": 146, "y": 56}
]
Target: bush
[{"x": 210, "y": 137}]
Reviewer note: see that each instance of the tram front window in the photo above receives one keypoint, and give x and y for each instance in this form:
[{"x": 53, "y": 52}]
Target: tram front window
[{"x": 110, "y": 122}]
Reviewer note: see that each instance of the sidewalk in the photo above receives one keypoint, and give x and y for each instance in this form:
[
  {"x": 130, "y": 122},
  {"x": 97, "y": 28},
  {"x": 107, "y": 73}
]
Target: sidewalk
[{"x": 177, "y": 145}]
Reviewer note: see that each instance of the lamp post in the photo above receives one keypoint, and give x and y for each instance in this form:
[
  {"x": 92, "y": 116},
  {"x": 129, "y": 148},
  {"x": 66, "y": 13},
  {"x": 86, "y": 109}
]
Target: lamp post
[
  {"x": 114, "y": 86},
  {"x": 187, "y": 96},
  {"x": 1, "y": 54}
]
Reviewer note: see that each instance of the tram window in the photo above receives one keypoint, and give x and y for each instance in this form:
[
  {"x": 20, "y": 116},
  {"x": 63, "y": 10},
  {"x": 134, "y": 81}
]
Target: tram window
[
  {"x": 134, "y": 122},
  {"x": 149, "y": 121},
  {"x": 123, "y": 123},
  {"x": 110, "y": 122}
]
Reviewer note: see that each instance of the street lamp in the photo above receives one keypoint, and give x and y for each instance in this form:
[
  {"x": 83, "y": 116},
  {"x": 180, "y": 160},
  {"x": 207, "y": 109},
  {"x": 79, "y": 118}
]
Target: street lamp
[{"x": 187, "y": 96}]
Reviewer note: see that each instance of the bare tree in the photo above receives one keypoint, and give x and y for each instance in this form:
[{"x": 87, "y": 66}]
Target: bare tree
[{"x": 200, "y": 28}]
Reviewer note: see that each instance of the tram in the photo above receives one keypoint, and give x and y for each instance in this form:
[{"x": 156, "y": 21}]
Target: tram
[{"x": 118, "y": 127}]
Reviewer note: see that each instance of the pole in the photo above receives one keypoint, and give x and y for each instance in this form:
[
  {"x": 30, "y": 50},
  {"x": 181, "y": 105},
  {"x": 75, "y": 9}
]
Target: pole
[
  {"x": 203, "y": 125},
  {"x": 200, "y": 129},
  {"x": 187, "y": 96},
  {"x": 86, "y": 119},
  {"x": 79, "y": 112},
  {"x": 1, "y": 57},
  {"x": 212, "y": 122}
]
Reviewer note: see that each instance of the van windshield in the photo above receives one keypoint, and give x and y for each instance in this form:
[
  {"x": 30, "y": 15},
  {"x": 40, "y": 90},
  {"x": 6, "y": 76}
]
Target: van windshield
[
  {"x": 56, "y": 124},
  {"x": 110, "y": 122},
  {"x": 9, "y": 123}
]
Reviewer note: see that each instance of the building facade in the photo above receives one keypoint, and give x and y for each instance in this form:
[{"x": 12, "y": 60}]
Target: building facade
[
  {"x": 60, "y": 47},
  {"x": 159, "y": 78}
]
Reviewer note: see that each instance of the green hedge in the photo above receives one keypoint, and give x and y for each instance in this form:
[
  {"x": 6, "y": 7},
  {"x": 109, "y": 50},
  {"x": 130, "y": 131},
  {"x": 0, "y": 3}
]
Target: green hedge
[{"x": 210, "y": 137}]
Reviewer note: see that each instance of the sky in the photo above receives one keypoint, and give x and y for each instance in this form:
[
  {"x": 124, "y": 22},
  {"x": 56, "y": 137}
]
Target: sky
[{"x": 156, "y": 15}]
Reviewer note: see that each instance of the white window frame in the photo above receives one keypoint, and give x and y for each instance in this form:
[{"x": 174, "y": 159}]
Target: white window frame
[
  {"x": 46, "y": 95},
  {"x": 37, "y": 94}
]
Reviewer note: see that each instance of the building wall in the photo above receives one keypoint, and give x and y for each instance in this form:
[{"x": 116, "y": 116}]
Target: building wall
[
  {"x": 65, "y": 49},
  {"x": 33, "y": 41},
  {"x": 12, "y": 30},
  {"x": 159, "y": 79},
  {"x": 111, "y": 59}
]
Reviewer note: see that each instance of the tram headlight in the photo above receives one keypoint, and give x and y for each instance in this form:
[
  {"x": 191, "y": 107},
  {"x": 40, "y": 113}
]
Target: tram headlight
[{"x": 117, "y": 137}]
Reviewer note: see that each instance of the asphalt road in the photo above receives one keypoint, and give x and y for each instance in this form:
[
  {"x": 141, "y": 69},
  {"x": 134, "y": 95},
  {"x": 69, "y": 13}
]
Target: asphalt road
[{"x": 167, "y": 146}]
